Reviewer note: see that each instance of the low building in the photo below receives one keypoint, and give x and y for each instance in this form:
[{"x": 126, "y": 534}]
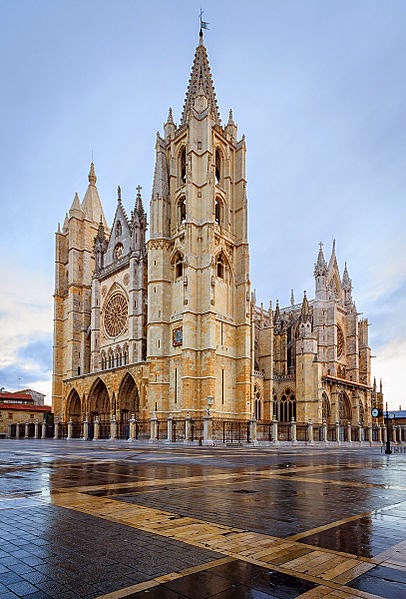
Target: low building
[{"x": 19, "y": 408}]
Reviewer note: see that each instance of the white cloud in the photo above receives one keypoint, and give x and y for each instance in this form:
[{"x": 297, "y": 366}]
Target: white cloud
[{"x": 390, "y": 364}]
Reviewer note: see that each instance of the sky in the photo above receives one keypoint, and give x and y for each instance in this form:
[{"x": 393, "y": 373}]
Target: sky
[{"x": 317, "y": 86}]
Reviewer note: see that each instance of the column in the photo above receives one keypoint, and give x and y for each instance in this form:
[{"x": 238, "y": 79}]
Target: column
[
  {"x": 379, "y": 433},
  {"x": 207, "y": 429},
  {"x": 310, "y": 432},
  {"x": 44, "y": 430},
  {"x": 253, "y": 431},
  {"x": 85, "y": 429},
  {"x": 293, "y": 435},
  {"x": 170, "y": 429},
  {"x": 153, "y": 435},
  {"x": 133, "y": 430},
  {"x": 56, "y": 429},
  {"x": 360, "y": 432},
  {"x": 369, "y": 434},
  {"x": 275, "y": 439},
  {"x": 26, "y": 430},
  {"x": 324, "y": 427},
  {"x": 385, "y": 434},
  {"x": 113, "y": 428},
  {"x": 338, "y": 433},
  {"x": 349, "y": 432},
  {"x": 188, "y": 432},
  {"x": 96, "y": 429},
  {"x": 9, "y": 431}
]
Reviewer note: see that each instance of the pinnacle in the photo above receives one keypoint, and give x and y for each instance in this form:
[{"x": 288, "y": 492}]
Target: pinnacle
[{"x": 92, "y": 175}]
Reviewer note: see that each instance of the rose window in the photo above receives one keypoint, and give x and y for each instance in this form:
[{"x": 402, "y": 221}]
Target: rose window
[{"x": 115, "y": 315}]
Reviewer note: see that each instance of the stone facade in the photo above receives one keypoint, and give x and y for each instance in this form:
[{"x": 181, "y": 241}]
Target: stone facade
[{"x": 168, "y": 326}]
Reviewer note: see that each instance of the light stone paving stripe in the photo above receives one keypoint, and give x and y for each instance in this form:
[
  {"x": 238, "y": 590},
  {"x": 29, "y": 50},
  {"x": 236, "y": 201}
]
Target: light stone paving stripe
[{"x": 232, "y": 542}]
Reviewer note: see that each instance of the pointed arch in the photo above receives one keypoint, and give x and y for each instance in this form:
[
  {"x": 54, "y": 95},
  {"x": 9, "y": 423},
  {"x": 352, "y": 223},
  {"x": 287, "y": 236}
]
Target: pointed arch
[
  {"x": 219, "y": 211},
  {"x": 287, "y": 406},
  {"x": 325, "y": 407},
  {"x": 182, "y": 165},
  {"x": 128, "y": 398},
  {"x": 181, "y": 210},
  {"x": 344, "y": 408},
  {"x": 219, "y": 162},
  {"x": 99, "y": 400},
  {"x": 177, "y": 262},
  {"x": 73, "y": 407}
]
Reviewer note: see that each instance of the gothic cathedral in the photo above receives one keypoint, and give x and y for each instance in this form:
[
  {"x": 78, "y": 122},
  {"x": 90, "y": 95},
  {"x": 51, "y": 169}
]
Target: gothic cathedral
[{"x": 166, "y": 326}]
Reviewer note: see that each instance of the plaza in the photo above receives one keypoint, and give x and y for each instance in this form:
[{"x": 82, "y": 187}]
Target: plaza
[{"x": 124, "y": 519}]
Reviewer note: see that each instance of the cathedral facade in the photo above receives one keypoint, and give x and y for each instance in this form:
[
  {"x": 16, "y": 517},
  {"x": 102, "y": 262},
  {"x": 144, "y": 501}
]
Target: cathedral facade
[{"x": 165, "y": 325}]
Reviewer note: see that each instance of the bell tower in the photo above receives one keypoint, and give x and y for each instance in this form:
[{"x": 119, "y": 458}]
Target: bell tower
[{"x": 198, "y": 260}]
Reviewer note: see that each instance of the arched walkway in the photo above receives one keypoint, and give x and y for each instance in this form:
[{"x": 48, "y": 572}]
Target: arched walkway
[
  {"x": 99, "y": 402},
  {"x": 73, "y": 407},
  {"x": 128, "y": 398}
]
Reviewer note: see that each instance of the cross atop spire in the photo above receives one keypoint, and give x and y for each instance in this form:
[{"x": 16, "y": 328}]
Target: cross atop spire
[{"x": 201, "y": 82}]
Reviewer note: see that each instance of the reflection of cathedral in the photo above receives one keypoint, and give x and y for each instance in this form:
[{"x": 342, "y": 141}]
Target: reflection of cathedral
[{"x": 168, "y": 325}]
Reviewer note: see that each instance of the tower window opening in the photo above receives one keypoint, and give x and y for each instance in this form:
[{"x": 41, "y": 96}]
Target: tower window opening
[
  {"x": 182, "y": 210},
  {"x": 220, "y": 266},
  {"x": 218, "y": 210},
  {"x": 182, "y": 165},
  {"x": 178, "y": 266},
  {"x": 218, "y": 166},
  {"x": 223, "y": 386}
]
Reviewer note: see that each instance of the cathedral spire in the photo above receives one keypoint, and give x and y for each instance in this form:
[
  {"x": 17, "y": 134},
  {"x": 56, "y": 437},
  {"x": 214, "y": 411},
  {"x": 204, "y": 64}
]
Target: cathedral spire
[
  {"x": 320, "y": 268},
  {"x": 91, "y": 204},
  {"x": 200, "y": 83},
  {"x": 333, "y": 258},
  {"x": 347, "y": 284},
  {"x": 92, "y": 175}
]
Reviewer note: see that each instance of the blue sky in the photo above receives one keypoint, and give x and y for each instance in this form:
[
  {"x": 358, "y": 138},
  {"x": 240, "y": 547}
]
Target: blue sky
[{"x": 317, "y": 86}]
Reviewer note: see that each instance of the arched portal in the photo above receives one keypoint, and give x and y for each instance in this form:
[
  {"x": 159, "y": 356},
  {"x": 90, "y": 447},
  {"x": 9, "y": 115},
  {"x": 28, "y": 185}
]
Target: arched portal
[
  {"x": 344, "y": 408},
  {"x": 325, "y": 408},
  {"x": 73, "y": 408},
  {"x": 99, "y": 401},
  {"x": 128, "y": 398}
]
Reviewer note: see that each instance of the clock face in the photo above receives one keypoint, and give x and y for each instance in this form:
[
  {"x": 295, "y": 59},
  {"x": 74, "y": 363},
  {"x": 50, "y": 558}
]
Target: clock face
[
  {"x": 177, "y": 336},
  {"x": 374, "y": 412}
]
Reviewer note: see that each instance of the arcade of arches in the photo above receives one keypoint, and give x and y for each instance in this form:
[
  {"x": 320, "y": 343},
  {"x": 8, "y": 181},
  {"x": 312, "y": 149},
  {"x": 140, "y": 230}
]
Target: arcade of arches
[{"x": 120, "y": 393}]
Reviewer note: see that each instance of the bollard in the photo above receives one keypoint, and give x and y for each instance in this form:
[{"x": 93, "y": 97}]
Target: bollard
[
  {"x": 133, "y": 430},
  {"x": 293, "y": 431},
  {"x": 188, "y": 428},
  {"x": 96, "y": 429},
  {"x": 56, "y": 429},
  {"x": 310, "y": 432},
  {"x": 349, "y": 432},
  {"x": 275, "y": 439},
  {"x": 113, "y": 428},
  {"x": 207, "y": 429},
  {"x": 253, "y": 430},
  {"x": 153, "y": 428},
  {"x": 170, "y": 429},
  {"x": 324, "y": 427},
  {"x": 70, "y": 428}
]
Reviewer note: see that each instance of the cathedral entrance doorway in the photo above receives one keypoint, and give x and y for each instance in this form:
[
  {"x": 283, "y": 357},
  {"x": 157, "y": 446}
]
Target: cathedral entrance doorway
[
  {"x": 127, "y": 405},
  {"x": 99, "y": 402},
  {"x": 73, "y": 408},
  {"x": 344, "y": 413}
]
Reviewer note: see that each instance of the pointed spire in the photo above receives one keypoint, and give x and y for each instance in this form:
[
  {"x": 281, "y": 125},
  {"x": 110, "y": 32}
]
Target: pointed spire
[
  {"x": 91, "y": 204},
  {"x": 100, "y": 232},
  {"x": 170, "y": 117},
  {"x": 92, "y": 175},
  {"x": 231, "y": 127},
  {"x": 347, "y": 283},
  {"x": 75, "y": 203},
  {"x": 277, "y": 311},
  {"x": 292, "y": 298},
  {"x": 200, "y": 82},
  {"x": 160, "y": 187},
  {"x": 119, "y": 193},
  {"x": 169, "y": 126},
  {"x": 320, "y": 268},
  {"x": 139, "y": 208},
  {"x": 333, "y": 256},
  {"x": 305, "y": 312}
]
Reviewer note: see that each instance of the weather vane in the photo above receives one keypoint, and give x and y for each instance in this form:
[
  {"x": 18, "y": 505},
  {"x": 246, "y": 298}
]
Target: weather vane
[{"x": 203, "y": 24}]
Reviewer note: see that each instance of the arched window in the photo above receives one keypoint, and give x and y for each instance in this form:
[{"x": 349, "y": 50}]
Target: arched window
[
  {"x": 287, "y": 406},
  {"x": 218, "y": 211},
  {"x": 182, "y": 165},
  {"x": 218, "y": 166},
  {"x": 182, "y": 210},
  {"x": 220, "y": 266},
  {"x": 125, "y": 354},
  {"x": 178, "y": 265},
  {"x": 119, "y": 357},
  {"x": 119, "y": 229},
  {"x": 110, "y": 359},
  {"x": 103, "y": 361},
  {"x": 275, "y": 406}
]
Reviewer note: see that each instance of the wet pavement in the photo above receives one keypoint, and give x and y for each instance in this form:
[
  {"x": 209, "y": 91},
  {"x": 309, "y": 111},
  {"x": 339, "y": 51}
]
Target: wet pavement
[{"x": 120, "y": 519}]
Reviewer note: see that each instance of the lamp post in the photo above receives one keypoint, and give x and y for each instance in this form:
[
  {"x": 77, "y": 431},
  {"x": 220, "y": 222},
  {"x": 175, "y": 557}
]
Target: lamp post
[{"x": 388, "y": 449}]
